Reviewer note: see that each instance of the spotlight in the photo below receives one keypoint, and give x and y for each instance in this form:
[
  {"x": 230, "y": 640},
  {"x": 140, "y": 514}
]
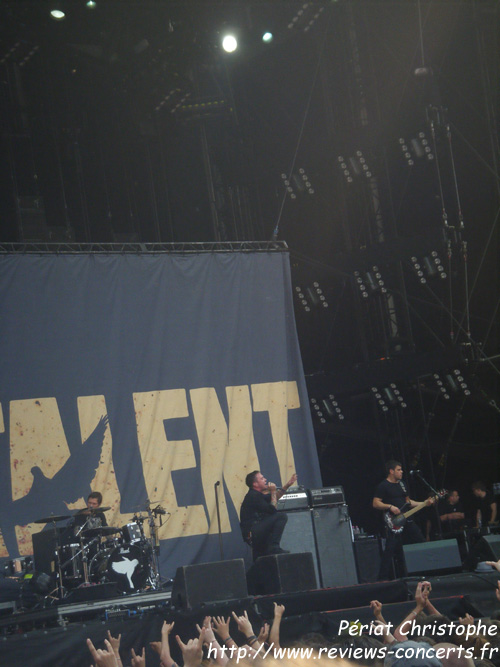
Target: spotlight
[
  {"x": 360, "y": 284},
  {"x": 229, "y": 43},
  {"x": 267, "y": 37},
  {"x": 311, "y": 297},
  {"x": 326, "y": 409},
  {"x": 381, "y": 404},
  {"x": 440, "y": 385},
  {"x": 91, "y": 4},
  {"x": 416, "y": 148},
  {"x": 298, "y": 183},
  {"x": 57, "y": 14}
]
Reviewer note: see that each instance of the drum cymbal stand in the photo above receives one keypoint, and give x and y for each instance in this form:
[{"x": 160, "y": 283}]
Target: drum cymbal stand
[
  {"x": 158, "y": 511},
  {"x": 57, "y": 565},
  {"x": 83, "y": 550}
]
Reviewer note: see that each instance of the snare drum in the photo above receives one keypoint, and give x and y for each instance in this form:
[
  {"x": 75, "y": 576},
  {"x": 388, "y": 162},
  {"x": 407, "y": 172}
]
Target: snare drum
[{"x": 126, "y": 565}]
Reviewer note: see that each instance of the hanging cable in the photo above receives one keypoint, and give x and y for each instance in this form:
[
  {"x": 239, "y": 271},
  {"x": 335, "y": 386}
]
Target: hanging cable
[
  {"x": 301, "y": 132},
  {"x": 449, "y": 254},
  {"x": 466, "y": 288},
  {"x": 455, "y": 181},
  {"x": 444, "y": 214},
  {"x": 421, "y": 34}
]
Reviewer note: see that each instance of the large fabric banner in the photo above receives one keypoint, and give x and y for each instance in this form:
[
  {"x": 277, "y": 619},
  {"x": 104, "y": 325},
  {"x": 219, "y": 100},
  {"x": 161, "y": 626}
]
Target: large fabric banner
[{"x": 148, "y": 377}]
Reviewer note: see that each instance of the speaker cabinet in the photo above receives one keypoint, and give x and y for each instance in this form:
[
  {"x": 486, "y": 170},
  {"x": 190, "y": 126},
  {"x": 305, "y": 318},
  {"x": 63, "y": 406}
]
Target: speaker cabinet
[
  {"x": 298, "y": 536},
  {"x": 486, "y": 548},
  {"x": 367, "y": 555},
  {"x": 209, "y": 582},
  {"x": 489, "y": 547},
  {"x": 284, "y": 573},
  {"x": 44, "y": 549},
  {"x": 432, "y": 557},
  {"x": 332, "y": 528}
]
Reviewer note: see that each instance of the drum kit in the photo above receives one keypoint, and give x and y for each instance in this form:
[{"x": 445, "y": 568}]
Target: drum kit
[{"x": 87, "y": 554}]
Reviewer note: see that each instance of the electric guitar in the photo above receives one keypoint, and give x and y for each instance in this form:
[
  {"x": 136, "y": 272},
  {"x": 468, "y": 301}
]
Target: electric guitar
[{"x": 396, "y": 522}]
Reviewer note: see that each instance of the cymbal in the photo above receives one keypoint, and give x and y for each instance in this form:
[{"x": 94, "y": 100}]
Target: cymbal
[
  {"x": 102, "y": 530},
  {"x": 53, "y": 517},
  {"x": 92, "y": 511}
]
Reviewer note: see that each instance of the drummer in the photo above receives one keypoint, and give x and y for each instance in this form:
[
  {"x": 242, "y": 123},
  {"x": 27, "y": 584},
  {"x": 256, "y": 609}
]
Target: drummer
[{"x": 91, "y": 517}]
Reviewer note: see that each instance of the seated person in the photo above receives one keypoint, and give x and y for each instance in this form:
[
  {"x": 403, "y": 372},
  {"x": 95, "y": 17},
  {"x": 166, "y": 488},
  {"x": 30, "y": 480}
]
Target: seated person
[
  {"x": 85, "y": 519},
  {"x": 451, "y": 513}
]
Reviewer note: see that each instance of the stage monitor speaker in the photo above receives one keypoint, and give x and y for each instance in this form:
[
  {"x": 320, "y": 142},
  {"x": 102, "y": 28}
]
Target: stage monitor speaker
[
  {"x": 367, "y": 554},
  {"x": 336, "y": 564},
  {"x": 92, "y": 593},
  {"x": 298, "y": 536},
  {"x": 284, "y": 573},
  {"x": 489, "y": 547},
  {"x": 432, "y": 557},
  {"x": 195, "y": 585},
  {"x": 486, "y": 548}
]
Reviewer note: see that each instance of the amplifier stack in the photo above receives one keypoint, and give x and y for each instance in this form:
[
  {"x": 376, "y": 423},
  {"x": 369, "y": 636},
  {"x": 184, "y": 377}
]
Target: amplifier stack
[{"x": 319, "y": 523}]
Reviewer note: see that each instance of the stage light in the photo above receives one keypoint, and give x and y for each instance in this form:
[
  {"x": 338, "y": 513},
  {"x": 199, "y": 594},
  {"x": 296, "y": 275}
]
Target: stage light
[
  {"x": 91, "y": 4},
  {"x": 297, "y": 183},
  {"x": 267, "y": 37},
  {"x": 229, "y": 43},
  {"x": 380, "y": 401},
  {"x": 360, "y": 284},
  {"x": 311, "y": 297},
  {"x": 57, "y": 14}
]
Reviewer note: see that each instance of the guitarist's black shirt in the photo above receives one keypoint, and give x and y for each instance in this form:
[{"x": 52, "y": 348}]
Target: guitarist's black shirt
[{"x": 393, "y": 493}]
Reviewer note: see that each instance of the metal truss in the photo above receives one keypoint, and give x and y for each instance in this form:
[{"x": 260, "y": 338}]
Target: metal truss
[{"x": 143, "y": 248}]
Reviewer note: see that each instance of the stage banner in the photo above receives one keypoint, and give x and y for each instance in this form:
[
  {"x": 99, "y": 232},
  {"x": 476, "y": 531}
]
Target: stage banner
[{"x": 157, "y": 378}]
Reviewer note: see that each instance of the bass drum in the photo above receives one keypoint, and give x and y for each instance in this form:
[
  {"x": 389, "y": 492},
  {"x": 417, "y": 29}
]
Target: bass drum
[{"x": 125, "y": 565}]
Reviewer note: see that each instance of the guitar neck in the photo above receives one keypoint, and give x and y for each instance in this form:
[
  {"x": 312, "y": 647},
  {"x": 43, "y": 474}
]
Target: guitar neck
[{"x": 415, "y": 509}]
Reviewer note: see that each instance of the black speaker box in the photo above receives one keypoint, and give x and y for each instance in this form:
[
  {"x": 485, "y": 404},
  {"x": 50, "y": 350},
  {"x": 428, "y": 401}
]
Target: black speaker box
[
  {"x": 367, "y": 554},
  {"x": 195, "y": 585},
  {"x": 332, "y": 528},
  {"x": 486, "y": 548},
  {"x": 92, "y": 593},
  {"x": 283, "y": 573},
  {"x": 298, "y": 536},
  {"x": 44, "y": 549},
  {"x": 439, "y": 556},
  {"x": 489, "y": 547}
]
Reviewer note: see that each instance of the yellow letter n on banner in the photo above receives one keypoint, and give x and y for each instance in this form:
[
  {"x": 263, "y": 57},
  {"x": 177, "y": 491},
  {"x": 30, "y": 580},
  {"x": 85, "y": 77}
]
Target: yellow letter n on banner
[{"x": 161, "y": 456}]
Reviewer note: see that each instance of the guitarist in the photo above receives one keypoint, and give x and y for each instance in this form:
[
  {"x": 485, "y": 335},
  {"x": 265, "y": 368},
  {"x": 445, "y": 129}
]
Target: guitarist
[{"x": 391, "y": 496}]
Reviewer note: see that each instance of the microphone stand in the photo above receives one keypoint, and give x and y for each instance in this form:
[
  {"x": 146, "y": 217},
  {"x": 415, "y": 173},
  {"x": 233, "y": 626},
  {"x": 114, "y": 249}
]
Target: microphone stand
[
  {"x": 416, "y": 473},
  {"x": 218, "y": 518}
]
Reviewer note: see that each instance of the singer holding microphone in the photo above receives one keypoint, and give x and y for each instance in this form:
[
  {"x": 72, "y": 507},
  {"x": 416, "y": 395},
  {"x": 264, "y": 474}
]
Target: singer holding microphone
[
  {"x": 391, "y": 497},
  {"x": 261, "y": 524}
]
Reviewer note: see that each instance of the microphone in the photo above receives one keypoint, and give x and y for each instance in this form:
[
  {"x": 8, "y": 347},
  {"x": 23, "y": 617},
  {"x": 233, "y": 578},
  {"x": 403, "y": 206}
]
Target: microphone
[{"x": 217, "y": 483}]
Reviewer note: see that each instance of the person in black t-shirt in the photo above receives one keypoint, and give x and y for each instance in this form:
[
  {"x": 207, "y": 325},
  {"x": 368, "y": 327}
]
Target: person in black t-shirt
[
  {"x": 451, "y": 513},
  {"x": 91, "y": 517},
  {"x": 452, "y": 519},
  {"x": 485, "y": 505},
  {"x": 392, "y": 497},
  {"x": 261, "y": 524}
]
